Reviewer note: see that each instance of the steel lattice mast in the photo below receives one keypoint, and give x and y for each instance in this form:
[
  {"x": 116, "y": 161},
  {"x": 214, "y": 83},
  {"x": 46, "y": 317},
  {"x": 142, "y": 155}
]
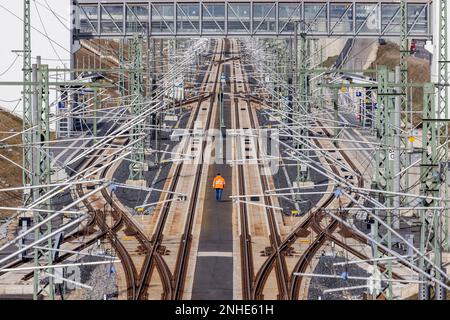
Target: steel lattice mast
[
  {"x": 26, "y": 98},
  {"x": 383, "y": 168},
  {"x": 405, "y": 111},
  {"x": 41, "y": 177},
  {"x": 302, "y": 96},
  {"x": 443, "y": 101},
  {"x": 136, "y": 91},
  {"x": 122, "y": 65},
  {"x": 430, "y": 234},
  {"x": 36, "y": 158},
  {"x": 435, "y": 163}
]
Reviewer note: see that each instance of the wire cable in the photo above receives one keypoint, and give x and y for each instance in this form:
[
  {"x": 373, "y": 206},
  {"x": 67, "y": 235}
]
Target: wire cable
[
  {"x": 57, "y": 16},
  {"x": 9, "y": 101},
  {"x": 10, "y": 67},
  {"x": 46, "y": 33},
  {"x": 35, "y": 29}
]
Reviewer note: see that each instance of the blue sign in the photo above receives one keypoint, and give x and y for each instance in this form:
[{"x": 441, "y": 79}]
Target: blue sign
[
  {"x": 111, "y": 270},
  {"x": 337, "y": 192},
  {"x": 358, "y": 93}
]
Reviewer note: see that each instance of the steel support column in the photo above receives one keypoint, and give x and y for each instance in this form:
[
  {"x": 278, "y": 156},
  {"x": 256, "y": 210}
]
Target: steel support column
[
  {"x": 26, "y": 99},
  {"x": 383, "y": 169},
  {"x": 41, "y": 175},
  {"x": 406, "y": 118},
  {"x": 137, "y": 165},
  {"x": 443, "y": 101},
  {"x": 122, "y": 65},
  {"x": 431, "y": 184},
  {"x": 301, "y": 103}
]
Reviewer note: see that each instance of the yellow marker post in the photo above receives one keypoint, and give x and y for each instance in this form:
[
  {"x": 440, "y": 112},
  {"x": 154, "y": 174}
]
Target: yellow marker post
[{"x": 411, "y": 139}]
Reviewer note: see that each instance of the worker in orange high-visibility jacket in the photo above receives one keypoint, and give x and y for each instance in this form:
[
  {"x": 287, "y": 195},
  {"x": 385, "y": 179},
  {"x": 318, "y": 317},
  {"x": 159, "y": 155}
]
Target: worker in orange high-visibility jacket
[{"x": 218, "y": 184}]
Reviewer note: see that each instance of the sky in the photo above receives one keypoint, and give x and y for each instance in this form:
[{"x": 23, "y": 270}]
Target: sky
[{"x": 11, "y": 34}]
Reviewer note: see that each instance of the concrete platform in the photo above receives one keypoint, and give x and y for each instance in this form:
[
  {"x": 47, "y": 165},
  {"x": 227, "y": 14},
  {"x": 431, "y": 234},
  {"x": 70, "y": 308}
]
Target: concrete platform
[{"x": 213, "y": 277}]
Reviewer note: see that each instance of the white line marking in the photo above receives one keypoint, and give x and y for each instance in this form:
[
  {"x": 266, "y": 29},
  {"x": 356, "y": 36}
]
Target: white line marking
[{"x": 214, "y": 254}]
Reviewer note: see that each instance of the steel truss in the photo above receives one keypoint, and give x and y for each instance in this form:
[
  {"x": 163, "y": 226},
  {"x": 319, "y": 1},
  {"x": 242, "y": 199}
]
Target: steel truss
[
  {"x": 26, "y": 98},
  {"x": 431, "y": 185},
  {"x": 384, "y": 168},
  {"x": 41, "y": 175},
  {"x": 443, "y": 100},
  {"x": 137, "y": 165},
  {"x": 36, "y": 157},
  {"x": 265, "y": 18},
  {"x": 303, "y": 94},
  {"x": 405, "y": 110},
  {"x": 434, "y": 166}
]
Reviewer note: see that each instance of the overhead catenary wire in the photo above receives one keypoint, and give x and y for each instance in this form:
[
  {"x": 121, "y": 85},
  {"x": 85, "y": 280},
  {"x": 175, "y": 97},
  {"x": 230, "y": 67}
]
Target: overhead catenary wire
[
  {"x": 281, "y": 125},
  {"x": 46, "y": 33},
  {"x": 10, "y": 66},
  {"x": 286, "y": 129},
  {"x": 37, "y": 30}
]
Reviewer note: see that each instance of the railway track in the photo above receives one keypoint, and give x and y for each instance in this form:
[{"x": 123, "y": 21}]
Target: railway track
[
  {"x": 111, "y": 232},
  {"x": 245, "y": 239},
  {"x": 136, "y": 282},
  {"x": 326, "y": 233},
  {"x": 274, "y": 234},
  {"x": 88, "y": 230},
  {"x": 323, "y": 234},
  {"x": 186, "y": 239},
  {"x": 173, "y": 284},
  {"x": 177, "y": 279}
]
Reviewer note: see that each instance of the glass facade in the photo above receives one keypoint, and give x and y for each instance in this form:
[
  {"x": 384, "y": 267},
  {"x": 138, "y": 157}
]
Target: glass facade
[{"x": 268, "y": 18}]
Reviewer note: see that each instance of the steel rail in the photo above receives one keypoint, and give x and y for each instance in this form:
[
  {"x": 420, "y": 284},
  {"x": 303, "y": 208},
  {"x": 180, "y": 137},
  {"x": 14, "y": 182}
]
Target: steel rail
[
  {"x": 111, "y": 233},
  {"x": 275, "y": 237},
  {"x": 186, "y": 239},
  {"x": 157, "y": 237},
  {"x": 247, "y": 267}
]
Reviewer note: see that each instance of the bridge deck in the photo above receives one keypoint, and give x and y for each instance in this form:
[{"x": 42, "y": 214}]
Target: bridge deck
[{"x": 269, "y": 18}]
